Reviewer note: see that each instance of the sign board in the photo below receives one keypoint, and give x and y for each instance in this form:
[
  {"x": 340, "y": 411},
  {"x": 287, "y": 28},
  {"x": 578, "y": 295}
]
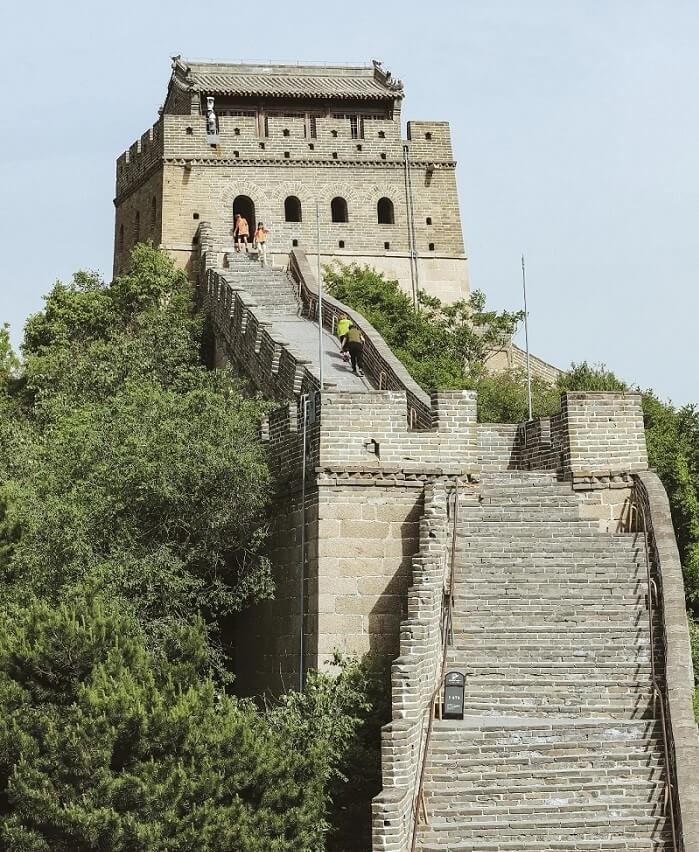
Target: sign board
[{"x": 454, "y": 688}]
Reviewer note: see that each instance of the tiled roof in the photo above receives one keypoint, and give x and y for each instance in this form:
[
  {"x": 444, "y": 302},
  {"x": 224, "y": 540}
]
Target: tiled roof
[
  {"x": 276, "y": 85},
  {"x": 289, "y": 80}
]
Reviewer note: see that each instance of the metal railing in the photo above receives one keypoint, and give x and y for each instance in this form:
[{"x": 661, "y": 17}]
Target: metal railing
[
  {"x": 637, "y": 512},
  {"x": 434, "y": 706}
]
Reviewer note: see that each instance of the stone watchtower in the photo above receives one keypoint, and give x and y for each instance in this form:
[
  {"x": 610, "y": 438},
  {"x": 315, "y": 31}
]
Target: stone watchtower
[{"x": 269, "y": 141}]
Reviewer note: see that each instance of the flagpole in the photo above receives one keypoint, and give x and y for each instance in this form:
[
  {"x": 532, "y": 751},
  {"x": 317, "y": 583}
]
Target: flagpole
[{"x": 526, "y": 339}]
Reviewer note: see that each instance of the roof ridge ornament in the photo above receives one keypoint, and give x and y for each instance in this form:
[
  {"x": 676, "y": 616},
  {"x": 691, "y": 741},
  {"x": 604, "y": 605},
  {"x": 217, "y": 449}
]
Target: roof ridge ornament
[
  {"x": 181, "y": 73},
  {"x": 385, "y": 76}
]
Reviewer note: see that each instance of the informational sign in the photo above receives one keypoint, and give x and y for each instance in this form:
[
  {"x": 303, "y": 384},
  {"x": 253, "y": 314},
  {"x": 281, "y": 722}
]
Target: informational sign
[{"x": 454, "y": 688}]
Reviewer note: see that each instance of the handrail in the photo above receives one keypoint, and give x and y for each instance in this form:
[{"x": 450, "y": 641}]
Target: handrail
[
  {"x": 658, "y": 697},
  {"x": 447, "y": 639}
]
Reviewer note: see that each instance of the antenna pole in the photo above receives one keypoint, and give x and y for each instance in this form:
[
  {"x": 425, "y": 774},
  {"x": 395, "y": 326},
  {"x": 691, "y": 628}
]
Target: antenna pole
[{"x": 526, "y": 339}]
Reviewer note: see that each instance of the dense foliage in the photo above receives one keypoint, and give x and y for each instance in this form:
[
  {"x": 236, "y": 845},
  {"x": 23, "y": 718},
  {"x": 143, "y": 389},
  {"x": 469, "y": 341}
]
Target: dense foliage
[
  {"x": 133, "y": 512},
  {"x": 440, "y": 344}
]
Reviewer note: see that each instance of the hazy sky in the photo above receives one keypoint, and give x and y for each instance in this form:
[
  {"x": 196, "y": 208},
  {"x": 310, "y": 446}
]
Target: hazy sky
[{"x": 575, "y": 124}]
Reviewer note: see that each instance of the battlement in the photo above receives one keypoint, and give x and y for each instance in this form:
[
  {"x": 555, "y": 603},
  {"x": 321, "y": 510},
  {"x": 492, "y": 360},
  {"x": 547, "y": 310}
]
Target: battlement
[
  {"x": 183, "y": 140},
  {"x": 134, "y": 165}
]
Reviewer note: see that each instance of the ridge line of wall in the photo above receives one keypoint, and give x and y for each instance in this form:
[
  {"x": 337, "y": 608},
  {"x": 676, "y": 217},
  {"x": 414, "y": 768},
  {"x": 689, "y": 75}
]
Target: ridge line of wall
[
  {"x": 679, "y": 676},
  {"x": 413, "y": 678}
]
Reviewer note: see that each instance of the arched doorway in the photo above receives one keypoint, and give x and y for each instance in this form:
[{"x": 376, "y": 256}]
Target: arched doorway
[{"x": 244, "y": 205}]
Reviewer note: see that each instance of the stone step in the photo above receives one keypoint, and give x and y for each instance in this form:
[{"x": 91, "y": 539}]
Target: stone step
[
  {"x": 590, "y": 569},
  {"x": 583, "y": 670},
  {"x": 534, "y": 789},
  {"x": 532, "y": 584},
  {"x": 548, "y": 774},
  {"x": 614, "y": 844},
  {"x": 589, "y": 545},
  {"x": 513, "y": 730},
  {"x": 607, "y": 631},
  {"x": 506, "y": 591},
  {"x": 470, "y": 515},
  {"x": 439, "y": 810},
  {"x": 543, "y": 652},
  {"x": 547, "y": 829},
  {"x": 574, "y": 708}
]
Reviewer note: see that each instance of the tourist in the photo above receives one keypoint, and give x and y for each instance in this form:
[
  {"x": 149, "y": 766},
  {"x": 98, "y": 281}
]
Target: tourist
[
  {"x": 241, "y": 232},
  {"x": 260, "y": 241},
  {"x": 354, "y": 344},
  {"x": 341, "y": 329}
]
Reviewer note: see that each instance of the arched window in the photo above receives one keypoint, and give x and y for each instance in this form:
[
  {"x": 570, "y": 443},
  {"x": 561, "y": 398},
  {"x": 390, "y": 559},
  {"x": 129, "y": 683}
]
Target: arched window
[
  {"x": 292, "y": 209},
  {"x": 338, "y": 208},
  {"x": 121, "y": 238},
  {"x": 384, "y": 211},
  {"x": 153, "y": 213},
  {"x": 137, "y": 227}
]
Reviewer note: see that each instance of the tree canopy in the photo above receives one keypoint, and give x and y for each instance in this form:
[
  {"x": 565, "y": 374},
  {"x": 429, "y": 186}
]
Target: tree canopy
[{"x": 134, "y": 500}]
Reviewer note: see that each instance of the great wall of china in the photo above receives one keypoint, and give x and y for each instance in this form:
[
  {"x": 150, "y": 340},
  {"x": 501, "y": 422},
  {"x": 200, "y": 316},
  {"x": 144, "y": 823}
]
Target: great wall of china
[
  {"x": 538, "y": 560},
  {"x": 513, "y": 554}
]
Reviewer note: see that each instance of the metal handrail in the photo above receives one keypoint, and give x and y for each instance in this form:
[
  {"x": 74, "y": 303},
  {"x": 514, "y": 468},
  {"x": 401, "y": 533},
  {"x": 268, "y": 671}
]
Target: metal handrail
[
  {"x": 658, "y": 697},
  {"x": 447, "y": 639}
]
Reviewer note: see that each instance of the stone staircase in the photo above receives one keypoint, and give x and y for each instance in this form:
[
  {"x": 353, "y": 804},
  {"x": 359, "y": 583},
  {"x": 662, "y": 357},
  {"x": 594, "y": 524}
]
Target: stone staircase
[
  {"x": 559, "y": 749},
  {"x": 272, "y": 289}
]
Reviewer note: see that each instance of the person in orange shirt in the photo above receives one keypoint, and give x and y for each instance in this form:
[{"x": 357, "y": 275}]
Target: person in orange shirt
[{"x": 241, "y": 232}]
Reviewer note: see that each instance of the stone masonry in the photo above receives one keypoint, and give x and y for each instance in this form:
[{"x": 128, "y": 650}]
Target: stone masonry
[
  {"x": 286, "y": 137},
  {"x": 532, "y": 531}
]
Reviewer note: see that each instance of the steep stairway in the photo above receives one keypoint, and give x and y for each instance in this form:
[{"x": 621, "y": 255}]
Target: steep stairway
[
  {"x": 277, "y": 300},
  {"x": 560, "y": 749},
  {"x": 272, "y": 289}
]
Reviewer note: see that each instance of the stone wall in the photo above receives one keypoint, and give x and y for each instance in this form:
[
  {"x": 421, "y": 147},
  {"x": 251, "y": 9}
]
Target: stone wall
[
  {"x": 605, "y": 433},
  {"x": 497, "y": 446},
  {"x": 380, "y": 364},
  {"x": 414, "y": 677},
  {"x": 684, "y": 740},
  {"x": 144, "y": 204},
  {"x": 201, "y": 181},
  {"x": 596, "y": 437}
]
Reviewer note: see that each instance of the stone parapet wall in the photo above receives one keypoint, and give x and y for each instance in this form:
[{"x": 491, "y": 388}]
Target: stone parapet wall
[
  {"x": 381, "y": 365},
  {"x": 414, "y": 677},
  {"x": 605, "y": 433},
  {"x": 682, "y": 728},
  {"x": 542, "y": 443},
  {"x": 369, "y": 431},
  {"x": 596, "y": 438},
  {"x": 136, "y": 164}
]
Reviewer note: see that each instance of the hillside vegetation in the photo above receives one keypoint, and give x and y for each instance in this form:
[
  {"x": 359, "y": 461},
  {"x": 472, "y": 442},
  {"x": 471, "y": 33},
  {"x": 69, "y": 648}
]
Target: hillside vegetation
[{"x": 134, "y": 495}]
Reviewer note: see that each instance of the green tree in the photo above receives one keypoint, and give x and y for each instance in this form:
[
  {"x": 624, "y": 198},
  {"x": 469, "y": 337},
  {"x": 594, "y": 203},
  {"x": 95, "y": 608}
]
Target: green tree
[
  {"x": 106, "y": 746},
  {"x": 590, "y": 377},
  {"x": 442, "y": 346},
  {"x": 9, "y": 363}
]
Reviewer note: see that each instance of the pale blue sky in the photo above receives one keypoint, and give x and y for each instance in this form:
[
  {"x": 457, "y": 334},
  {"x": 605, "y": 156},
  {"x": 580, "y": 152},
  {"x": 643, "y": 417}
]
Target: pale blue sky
[{"x": 575, "y": 124}]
